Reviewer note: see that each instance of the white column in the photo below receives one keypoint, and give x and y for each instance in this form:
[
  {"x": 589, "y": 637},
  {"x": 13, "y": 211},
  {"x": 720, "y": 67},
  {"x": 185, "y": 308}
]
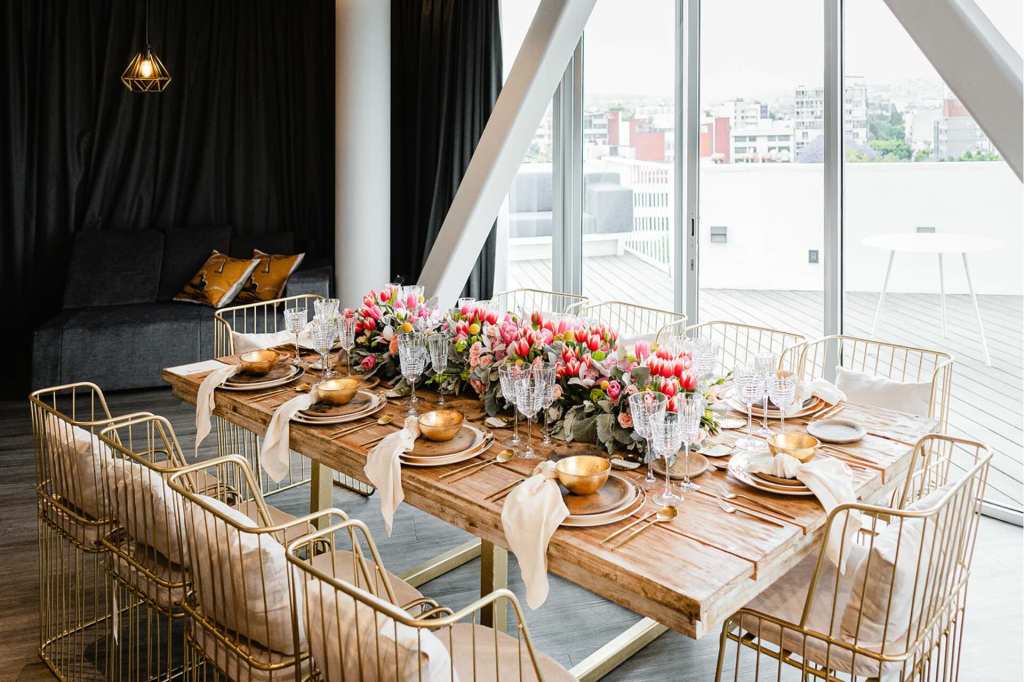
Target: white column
[{"x": 362, "y": 147}]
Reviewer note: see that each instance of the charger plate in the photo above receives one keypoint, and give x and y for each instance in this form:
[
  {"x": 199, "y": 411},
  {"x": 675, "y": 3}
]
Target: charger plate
[
  {"x": 342, "y": 419},
  {"x": 813, "y": 407},
  {"x": 778, "y": 480},
  {"x": 738, "y": 466},
  {"x": 592, "y": 520},
  {"x": 612, "y": 495},
  {"x": 278, "y": 376},
  {"x": 361, "y": 401},
  {"x": 698, "y": 465},
  {"x": 436, "y": 461},
  {"x": 468, "y": 437}
]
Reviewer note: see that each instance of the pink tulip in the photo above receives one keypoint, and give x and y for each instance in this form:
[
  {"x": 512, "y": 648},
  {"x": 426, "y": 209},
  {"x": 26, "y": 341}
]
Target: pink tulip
[
  {"x": 642, "y": 350},
  {"x": 491, "y": 316},
  {"x": 385, "y": 294},
  {"x": 369, "y": 362},
  {"x": 689, "y": 381},
  {"x": 594, "y": 342},
  {"x": 669, "y": 388},
  {"x": 614, "y": 390}
]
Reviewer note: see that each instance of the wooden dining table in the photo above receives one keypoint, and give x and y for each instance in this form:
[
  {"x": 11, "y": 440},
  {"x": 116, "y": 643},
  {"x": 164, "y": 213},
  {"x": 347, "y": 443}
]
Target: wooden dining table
[{"x": 687, "y": 575}]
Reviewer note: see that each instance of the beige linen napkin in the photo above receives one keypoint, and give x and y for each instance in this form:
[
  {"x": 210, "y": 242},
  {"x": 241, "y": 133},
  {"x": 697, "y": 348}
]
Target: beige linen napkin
[
  {"x": 244, "y": 343},
  {"x": 384, "y": 468},
  {"x": 819, "y": 388},
  {"x": 829, "y": 479},
  {"x": 274, "y": 450},
  {"x": 530, "y": 516},
  {"x": 205, "y": 399}
]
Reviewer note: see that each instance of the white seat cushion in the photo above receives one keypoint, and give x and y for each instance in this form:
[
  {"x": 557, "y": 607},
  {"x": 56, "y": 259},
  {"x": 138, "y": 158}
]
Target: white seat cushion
[
  {"x": 80, "y": 458},
  {"x": 879, "y": 391},
  {"x": 144, "y": 505}
]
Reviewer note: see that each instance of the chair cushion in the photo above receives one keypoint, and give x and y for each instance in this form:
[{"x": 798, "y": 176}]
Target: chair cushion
[
  {"x": 144, "y": 505},
  {"x": 112, "y": 267},
  {"x": 217, "y": 281},
  {"x": 511, "y": 656},
  {"x": 879, "y": 391},
  {"x": 268, "y": 280},
  {"x": 79, "y": 459},
  {"x": 168, "y": 591},
  {"x": 185, "y": 250},
  {"x": 238, "y": 669}
]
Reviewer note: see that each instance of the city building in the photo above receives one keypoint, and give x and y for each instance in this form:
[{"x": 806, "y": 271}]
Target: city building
[
  {"x": 716, "y": 139},
  {"x": 767, "y": 142},
  {"x": 957, "y": 134},
  {"x": 809, "y": 112}
]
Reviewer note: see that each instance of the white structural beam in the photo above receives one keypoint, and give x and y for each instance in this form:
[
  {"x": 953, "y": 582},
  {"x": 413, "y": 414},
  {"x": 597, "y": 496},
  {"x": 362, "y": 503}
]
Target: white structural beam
[
  {"x": 362, "y": 144},
  {"x": 547, "y": 47},
  {"x": 977, "y": 63}
]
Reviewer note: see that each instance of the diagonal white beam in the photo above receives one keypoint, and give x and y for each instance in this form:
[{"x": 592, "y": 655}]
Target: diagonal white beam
[
  {"x": 977, "y": 63},
  {"x": 547, "y": 47}
]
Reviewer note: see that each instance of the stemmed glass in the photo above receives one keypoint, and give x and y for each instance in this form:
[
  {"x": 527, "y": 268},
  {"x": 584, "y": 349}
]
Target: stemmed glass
[
  {"x": 324, "y": 333},
  {"x": 705, "y": 359},
  {"x": 347, "y": 337},
  {"x": 295, "y": 322},
  {"x": 412, "y": 357},
  {"x": 549, "y": 400},
  {"x": 529, "y": 390},
  {"x": 326, "y": 308},
  {"x": 508, "y": 374},
  {"x": 691, "y": 411},
  {"x": 765, "y": 363},
  {"x": 782, "y": 391},
  {"x": 439, "y": 344},
  {"x": 644, "y": 408},
  {"x": 749, "y": 388},
  {"x": 666, "y": 437}
]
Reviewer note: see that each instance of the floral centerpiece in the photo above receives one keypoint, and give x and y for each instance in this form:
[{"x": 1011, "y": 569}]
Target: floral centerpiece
[{"x": 382, "y": 315}]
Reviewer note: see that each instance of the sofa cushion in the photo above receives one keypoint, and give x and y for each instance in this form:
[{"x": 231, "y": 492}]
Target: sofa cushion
[
  {"x": 113, "y": 267},
  {"x": 124, "y": 346},
  {"x": 185, "y": 251}
]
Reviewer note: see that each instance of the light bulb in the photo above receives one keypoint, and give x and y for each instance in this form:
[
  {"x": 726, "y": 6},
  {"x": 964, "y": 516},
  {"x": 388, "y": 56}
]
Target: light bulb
[{"x": 146, "y": 68}]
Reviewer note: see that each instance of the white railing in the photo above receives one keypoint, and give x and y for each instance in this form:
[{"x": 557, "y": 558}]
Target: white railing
[{"x": 651, "y": 182}]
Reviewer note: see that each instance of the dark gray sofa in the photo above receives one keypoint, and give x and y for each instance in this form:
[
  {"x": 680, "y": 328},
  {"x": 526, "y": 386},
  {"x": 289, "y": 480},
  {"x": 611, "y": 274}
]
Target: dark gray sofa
[{"x": 119, "y": 327}]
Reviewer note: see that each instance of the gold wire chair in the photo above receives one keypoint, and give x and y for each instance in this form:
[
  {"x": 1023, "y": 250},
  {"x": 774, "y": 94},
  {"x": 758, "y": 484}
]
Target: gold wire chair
[
  {"x": 524, "y": 301},
  {"x": 360, "y": 626},
  {"x": 147, "y": 565},
  {"x": 739, "y": 343},
  {"x": 242, "y": 623},
  {"x": 891, "y": 360},
  {"x": 631, "y": 321},
  {"x": 897, "y": 612},
  {"x": 74, "y": 603}
]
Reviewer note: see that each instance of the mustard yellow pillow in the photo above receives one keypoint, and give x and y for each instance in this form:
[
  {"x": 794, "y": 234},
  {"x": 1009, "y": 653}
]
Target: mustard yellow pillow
[
  {"x": 268, "y": 280},
  {"x": 218, "y": 281}
]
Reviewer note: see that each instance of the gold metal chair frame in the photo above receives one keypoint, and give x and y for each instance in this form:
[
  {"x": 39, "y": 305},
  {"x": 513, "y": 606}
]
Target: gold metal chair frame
[
  {"x": 895, "y": 361},
  {"x": 739, "y": 343},
  {"x": 374, "y": 590},
  {"x": 204, "y": 616},
  {"x": 148, "y": 605},
  {"x": 525, "y": 301},
  {"x": 630, "y": 320},
  {"x": 264, "y": 317},
  {"x": 931, "y": 649},
  {"x": 74, "y": 602}
]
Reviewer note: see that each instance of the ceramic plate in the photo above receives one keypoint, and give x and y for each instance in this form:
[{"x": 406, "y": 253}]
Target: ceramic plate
[
  {"x": 468, "y": 437},
  {"x": 592, "y": 520},
  {"x": 612, "y": 495},
  {"x": 715, "y": 450},
  {"x": 436, "y": 461},
  {"x": 816, "y": 405},
  {"x": 361, "y": 402},
  {"x": 731, "y": 423},
  {"x": 738, "y": 470},
  {"x": 698, "y": 465},
  {"x": 836, "y": 431},
  {"x": 290, "y": 375}
]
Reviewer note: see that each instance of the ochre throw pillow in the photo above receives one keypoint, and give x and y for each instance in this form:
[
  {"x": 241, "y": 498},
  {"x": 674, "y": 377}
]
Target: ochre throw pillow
[
  {"x": 268, "y": 280},
  {"x": 218, "y": 281}
]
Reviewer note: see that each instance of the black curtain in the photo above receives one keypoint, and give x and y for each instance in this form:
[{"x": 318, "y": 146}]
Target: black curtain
[
  {"x": 243, "y": 136},
  {"x": 445, "y": 77}
]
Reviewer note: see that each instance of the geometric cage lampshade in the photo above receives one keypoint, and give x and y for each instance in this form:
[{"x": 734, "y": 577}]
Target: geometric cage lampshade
[{"x": 146, "y": 73}]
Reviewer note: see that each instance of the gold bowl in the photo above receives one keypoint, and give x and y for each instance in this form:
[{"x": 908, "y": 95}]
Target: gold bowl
[
  {"x": 258, "y": 361},
  {"x": 583, "y": 474},
  {"x": 337, "y": 391},
  {"x": 800, "y": 446},
  {"x": 440, "y": 425}
]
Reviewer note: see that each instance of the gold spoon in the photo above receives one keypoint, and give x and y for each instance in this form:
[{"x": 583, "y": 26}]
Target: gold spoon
[
  {"x": 663, "y": 515},
  {"x": 502, "y": 457},
  {"x": 380, "y": 421},
  {"x": 628, "y": 526}
]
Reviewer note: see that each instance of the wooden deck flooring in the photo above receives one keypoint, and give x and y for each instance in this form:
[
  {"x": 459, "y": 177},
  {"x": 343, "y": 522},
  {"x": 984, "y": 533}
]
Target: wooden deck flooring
[{"x": 986, "y": 401}]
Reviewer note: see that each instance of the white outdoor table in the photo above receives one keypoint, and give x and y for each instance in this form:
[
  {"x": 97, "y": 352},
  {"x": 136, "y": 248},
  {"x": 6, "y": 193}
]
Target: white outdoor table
[{"x": 939, "y": 244}]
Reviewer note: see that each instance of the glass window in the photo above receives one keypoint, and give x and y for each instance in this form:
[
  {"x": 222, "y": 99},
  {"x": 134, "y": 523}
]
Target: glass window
[
  {"x": 629, "y": 148},
  {"x": 921, "y": 174},
  {"x": 761, "y": 78}
]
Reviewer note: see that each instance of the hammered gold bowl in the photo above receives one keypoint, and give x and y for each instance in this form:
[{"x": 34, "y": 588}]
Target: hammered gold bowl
[
  {"x": 258, "y": 361},
  {"x": 337, "y": 391},
  {"x": 800, "y": 446},
  {"x": 583, "y": 474},
  {"x": 440, "y": 425}
]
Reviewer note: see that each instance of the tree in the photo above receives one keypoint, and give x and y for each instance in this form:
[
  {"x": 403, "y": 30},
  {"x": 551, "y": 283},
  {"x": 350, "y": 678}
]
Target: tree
[{"x": 891, "y": 150}]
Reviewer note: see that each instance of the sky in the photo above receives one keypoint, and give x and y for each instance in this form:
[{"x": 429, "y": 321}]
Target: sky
[{"x": 749, "y": 48}]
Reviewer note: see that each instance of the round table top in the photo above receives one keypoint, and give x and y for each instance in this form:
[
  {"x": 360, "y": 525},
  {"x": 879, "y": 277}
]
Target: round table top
[{"x": 932, "y": 242}]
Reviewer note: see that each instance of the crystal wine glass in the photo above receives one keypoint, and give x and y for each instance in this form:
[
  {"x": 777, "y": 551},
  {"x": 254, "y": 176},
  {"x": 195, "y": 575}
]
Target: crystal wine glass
[
  {"x": 643, "y": 408},
  {"x": 508, "y": 374},
  {"x": 749, "y": 389},
  {"x": 782, "y": 391},
  {"x": 324, "y": 333},
  {"x": 295, "y": 322},
  {"x": 691, "y": 411},
  {"x": 326, "y": 308},
  {"x": 439, "y": 344},
  {"x": 549, "y": 400},
  {"x": 666, "y": 437},
  {"x": 765, "y": 363},
  {"x": 529, "y": 391},
  {"x": 347, "y": 338},
  {"x": 412, "y": 357}
]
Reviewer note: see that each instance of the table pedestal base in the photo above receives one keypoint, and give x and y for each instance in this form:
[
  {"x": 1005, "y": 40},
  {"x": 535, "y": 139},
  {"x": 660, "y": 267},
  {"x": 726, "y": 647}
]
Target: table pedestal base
[{"x": 618, "y": 650}]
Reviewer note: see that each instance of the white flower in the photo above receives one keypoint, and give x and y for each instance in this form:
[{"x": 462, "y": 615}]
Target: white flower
[{"x": 388, "y": 332}]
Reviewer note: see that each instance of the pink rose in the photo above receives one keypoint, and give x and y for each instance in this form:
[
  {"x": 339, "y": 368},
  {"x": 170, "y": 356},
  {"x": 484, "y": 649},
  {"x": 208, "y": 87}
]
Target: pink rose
[
  {"x": 625, "y": 420},
  {"x": 486, "y": 360},
  {"x": 369, "y": 362},
  {"x": 474, "y": 354}
]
